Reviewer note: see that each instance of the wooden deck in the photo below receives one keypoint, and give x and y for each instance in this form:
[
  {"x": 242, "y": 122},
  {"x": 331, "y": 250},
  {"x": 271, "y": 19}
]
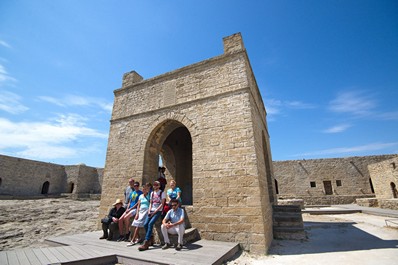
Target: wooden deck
[{"x": 86, "y": 248}]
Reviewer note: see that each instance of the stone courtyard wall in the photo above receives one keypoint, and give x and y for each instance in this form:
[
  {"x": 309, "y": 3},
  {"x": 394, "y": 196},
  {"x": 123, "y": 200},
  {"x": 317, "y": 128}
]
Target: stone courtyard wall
[
  {"x": 383, "y": 174},
  {"x": 214, "y": 101},
  {"x": 25, "y": 178},
  {"x": 349, "y": 178}
]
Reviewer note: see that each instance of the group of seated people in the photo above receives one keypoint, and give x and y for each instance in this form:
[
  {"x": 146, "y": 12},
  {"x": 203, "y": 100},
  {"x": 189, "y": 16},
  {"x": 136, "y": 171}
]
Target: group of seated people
[{"x": 145, "y": 208}]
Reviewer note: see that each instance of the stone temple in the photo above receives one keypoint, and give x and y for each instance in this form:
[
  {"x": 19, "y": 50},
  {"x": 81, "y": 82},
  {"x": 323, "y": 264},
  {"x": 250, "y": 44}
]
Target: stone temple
[{"x": 207, "y": 122}]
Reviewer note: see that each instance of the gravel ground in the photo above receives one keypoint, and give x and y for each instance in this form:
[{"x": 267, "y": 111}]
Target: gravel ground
[{"x": 26, "y": 223}]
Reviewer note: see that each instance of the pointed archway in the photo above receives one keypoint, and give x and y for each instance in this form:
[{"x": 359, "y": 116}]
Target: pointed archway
[{"x": 172, "y": 140}]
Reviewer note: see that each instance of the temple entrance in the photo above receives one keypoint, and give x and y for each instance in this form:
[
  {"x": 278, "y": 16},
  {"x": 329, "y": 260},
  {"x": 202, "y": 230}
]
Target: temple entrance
[
  {"x": 172, "y": 141},
  {"x": 45, "y": 187},
  {"x": 328, "y": 187}
]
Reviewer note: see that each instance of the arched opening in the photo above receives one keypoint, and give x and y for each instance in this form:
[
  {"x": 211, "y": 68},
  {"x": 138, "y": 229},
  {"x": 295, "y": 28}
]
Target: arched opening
[
  {"x": 45, "y": 187},
  {"x": 71, "y": 186},
  {"x": 371, "y": 186},
  {"x": 394, "y": 190},
  {"x": 172, "y": 141},
  {"x": 276, "y": 187},
  {"x": 268, "y": 170}
]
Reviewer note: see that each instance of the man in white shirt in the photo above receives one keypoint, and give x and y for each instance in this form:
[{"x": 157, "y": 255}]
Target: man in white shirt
[{"x": 173, "y": 223}]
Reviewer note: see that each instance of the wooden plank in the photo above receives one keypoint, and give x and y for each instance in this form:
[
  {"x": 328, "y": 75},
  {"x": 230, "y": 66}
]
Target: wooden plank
[
  {"x": 41, "y": 256},
  {"x": 3, "y": 258},
  {"x": 12, "y": 258},
  {"x": 59, "y": 254},
  {"x": 84, "y": 253},
  {"x": 72, "y": 252},
  {"x": 23, "y": 260},
  {"x": 49, "y": 255},
  {"x": 31, "y": 256}
]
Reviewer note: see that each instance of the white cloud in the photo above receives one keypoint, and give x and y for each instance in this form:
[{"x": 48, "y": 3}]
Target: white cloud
[
  {"x": 5, "y": 44},
  {"x": 58, "y": 138},
  {"x": 275, "y": 106},
  {"x": 73, "y": 100},
  {"x": 345, "y": 150},
  {"x": 353, "y": 102},
  {"x": 4, "y": 76},
  {"x": 299, "y": 105},
  {"x": 10, "y": 102},
  {"x": 337, "y": 129}
]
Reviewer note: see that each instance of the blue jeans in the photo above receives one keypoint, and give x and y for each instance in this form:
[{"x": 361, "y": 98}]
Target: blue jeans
[{"x": 148, "y": 225}]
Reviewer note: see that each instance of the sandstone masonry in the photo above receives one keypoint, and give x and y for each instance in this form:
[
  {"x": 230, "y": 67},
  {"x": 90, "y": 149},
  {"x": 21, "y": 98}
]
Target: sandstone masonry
[
  {"x": 208, "y": 122},
  {"x": 326, "y": 181},
  {"x": 25, "y": 178}
]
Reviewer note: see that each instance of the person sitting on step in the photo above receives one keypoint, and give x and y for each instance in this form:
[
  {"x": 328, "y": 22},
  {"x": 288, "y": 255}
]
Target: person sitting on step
[
  {"x": 111, "y": 220},
  {"x": 124, "y": 220},
  {"x": 142, "y": 213},
  {"x": 174, "y": 223}
]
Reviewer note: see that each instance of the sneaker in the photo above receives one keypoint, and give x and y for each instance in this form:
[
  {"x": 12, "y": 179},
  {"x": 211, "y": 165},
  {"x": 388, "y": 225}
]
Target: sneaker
[
  {"x": 166, "y": 246},
  {"x": 121, "y": 238},
  {"x": 178, "y": 247}
]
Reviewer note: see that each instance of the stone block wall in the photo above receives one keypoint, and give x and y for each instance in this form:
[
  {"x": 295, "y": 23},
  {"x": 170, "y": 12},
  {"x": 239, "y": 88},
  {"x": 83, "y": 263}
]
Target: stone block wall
[
  {"x": 23, "y": 177},
  {"x": 214, "y": 102},
  {"x": 349, "y": 177},
  {"x": 384, "y": 177},
  {"x": 26, "y": 178}
]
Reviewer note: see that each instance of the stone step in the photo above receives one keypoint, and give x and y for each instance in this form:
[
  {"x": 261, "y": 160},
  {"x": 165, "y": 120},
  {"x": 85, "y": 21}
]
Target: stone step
[
  {"x": 291, "y": 233},
  {"x": 190, "y": 235},
  {"x": 288, "y": 224},
  {"x": 287, "y": 216},
  {"x": 286, "y": 208}
]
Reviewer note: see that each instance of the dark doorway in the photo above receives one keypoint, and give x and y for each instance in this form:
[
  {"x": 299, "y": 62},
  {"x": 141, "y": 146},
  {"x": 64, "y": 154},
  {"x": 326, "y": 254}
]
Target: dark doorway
[
  {"x": 394, "y": 190},
  {"x": 276, "y": 187},
  {"x": 71, "y": 186},
  {"x": 45, "y": 187},
  {"x": 328, "y": 187},
  {"x": 268, "y": 175}
]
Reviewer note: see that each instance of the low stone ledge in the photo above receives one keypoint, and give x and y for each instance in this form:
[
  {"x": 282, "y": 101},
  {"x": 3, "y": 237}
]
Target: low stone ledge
[
  {"x": 299, "y": 202},
  {"x": 367, "y": 202}
]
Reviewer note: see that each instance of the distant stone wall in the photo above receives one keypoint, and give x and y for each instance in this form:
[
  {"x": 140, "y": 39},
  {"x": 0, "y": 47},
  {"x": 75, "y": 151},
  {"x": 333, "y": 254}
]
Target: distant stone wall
[
  {"x": 25, "y": 178},
  {"x": 319, "y": 181},
  {"x": 385, "y": 177}
]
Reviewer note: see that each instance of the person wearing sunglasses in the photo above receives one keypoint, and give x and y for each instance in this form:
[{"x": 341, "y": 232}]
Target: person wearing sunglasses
[{"x": 173, "y": 223}]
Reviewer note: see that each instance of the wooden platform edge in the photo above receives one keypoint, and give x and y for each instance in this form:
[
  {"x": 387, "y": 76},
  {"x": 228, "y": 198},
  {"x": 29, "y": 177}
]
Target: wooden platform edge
[{"x": 228, "y": 255}]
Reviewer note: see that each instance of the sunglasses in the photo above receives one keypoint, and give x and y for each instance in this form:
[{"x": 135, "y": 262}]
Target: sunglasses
[{"x": 174, "y": 205}]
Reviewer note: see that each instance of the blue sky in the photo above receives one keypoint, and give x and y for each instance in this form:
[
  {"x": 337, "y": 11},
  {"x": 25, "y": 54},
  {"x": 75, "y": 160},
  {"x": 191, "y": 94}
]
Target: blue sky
[{"x": 327, "y": 70}]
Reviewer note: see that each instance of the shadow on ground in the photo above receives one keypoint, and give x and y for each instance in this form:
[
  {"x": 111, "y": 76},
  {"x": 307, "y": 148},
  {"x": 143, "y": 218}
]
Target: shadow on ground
[{"x": 326, "y": 237}]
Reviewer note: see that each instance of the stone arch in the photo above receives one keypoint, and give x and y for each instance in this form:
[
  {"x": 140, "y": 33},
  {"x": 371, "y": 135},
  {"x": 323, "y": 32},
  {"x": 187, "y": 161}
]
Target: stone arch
[
  {"x": 172, "y": 138},
  {"x": 268, "y": 174},
  {"x": 45, "y": 187}
]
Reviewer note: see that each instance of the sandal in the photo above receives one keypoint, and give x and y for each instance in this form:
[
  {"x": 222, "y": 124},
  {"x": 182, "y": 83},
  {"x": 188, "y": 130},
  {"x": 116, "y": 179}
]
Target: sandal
[{"x": 131, "y": 244}]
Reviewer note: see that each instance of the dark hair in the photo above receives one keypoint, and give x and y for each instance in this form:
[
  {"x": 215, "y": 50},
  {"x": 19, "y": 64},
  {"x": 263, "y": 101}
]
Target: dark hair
[{"x": 174, "y": 200}]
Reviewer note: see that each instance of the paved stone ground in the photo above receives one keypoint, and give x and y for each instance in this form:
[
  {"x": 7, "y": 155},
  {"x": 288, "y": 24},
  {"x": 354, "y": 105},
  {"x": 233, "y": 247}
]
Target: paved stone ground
[{"x": 334, "y": 239}]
